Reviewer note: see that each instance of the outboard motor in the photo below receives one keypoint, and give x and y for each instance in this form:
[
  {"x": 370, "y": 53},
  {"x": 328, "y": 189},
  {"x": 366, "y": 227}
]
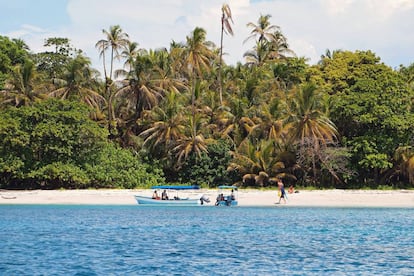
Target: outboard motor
[{"x": 205, "y": 199}]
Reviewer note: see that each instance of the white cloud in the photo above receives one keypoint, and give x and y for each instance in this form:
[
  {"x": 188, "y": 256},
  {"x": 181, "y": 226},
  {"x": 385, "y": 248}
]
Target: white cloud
[
  {"x": 311, "y": 26},
  {"x": 32, "y": 35},
  {"x": 335, "y": 7}
]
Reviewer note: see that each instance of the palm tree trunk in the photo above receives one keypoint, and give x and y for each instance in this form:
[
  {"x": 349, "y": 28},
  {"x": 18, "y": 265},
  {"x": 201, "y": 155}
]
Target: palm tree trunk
[
  {"x": 221, "y": 61},
  {"x": 107, "y": 92},
  {"x": 193, "y": 103},
  {"x": 104, "y": 61},
  {"x": 108, "y": 82},
  {"x": 112, "y": 62}
]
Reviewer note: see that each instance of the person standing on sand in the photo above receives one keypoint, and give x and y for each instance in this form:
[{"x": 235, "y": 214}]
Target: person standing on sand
[{"x": 282, "y": 192}]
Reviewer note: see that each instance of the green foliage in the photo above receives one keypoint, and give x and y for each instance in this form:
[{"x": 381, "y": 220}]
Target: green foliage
[
  {"x": 379, "y": 160},
  {"x": 53, "y": 62},
  {"x": 59, "y": 131},
  {"x": 209, "y": 169},
  {"x": 371, "y": 106},
  {"x": 114, "y": 167},
  {"x": 290, "y": 72},
  {"x": 12, "y": 52},
  {"x": 351, "y": 129},
  {"x": 58, "y": 174},
  {"x": 54, "y": 144}
]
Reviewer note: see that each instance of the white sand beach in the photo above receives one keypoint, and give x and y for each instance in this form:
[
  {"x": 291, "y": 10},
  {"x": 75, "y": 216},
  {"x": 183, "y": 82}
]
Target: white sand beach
[{"x": 315, "y": 198}]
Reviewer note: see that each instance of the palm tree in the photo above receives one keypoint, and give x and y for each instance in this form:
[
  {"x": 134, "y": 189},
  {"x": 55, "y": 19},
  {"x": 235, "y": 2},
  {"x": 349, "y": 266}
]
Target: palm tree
[
  {"x": 404, "y": 163},
  {"x": 307, "y": 119},
  {"x": 21, "y": 89},
  {"x": 198, "y": 53},
  {"x": 138, "y": 87},
  {"x": 164, "y": 78},
  {"x": 271, "y": 44},
  {"x": 177, "y": 59},
  {"x": 263, "y": 31},
  {"x": 272, "y": 121},
  {"x": 115, "y": 41},
  {"x": 261, "y": 164},
  {"x": 165, "y": 125},
  {"x": 198, "y": 56},
  {"x": 226, "y": 20},
  {"x": 258, "y": 55},
  {"x": 79, "y": 82},
  {"x": 264, "y": 51},
  {"x": 279, "y": 47},
  {"x": 130, "y": 53},
  {"x": 148, "y": 80},
  {"x": 21, "y": 44},
  {"x": 193, "y": 142}
]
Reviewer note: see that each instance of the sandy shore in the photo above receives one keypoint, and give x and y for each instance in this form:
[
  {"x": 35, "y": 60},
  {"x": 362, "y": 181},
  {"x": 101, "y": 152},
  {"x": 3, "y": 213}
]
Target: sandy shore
[{"x": 327, "y": 198}]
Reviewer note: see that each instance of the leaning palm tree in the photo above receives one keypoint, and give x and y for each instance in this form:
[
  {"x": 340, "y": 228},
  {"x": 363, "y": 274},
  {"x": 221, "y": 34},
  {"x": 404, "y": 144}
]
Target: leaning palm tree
[
  {"x": 226, "y": 20},
  {"x": 115, "y": 41}
]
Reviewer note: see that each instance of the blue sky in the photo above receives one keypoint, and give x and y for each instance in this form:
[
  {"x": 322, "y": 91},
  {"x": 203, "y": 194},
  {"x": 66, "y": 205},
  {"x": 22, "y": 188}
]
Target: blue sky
[
  {"x": 311, "y": 26},
  {"x": 41, "y": 13}
]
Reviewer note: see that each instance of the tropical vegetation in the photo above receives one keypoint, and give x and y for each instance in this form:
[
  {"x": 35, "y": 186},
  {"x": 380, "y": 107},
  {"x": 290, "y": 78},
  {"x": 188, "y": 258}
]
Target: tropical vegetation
[{"x": 180, "y": 114}]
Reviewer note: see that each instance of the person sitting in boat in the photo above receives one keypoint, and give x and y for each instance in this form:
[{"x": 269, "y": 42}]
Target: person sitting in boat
[
  {"x": 164, "y": 195},
  {"x": 155, "y": 195},
  {"x": 232, "y": 196},
  {"x": 219, "y": 198}
]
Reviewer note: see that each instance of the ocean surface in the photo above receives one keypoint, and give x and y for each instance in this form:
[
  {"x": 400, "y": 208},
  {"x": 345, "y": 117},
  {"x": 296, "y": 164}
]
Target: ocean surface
[{"x": 139, "y": 240}]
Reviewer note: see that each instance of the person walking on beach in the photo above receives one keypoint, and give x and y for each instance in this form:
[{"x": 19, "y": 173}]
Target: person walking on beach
[{"x": 282, "y": 192}]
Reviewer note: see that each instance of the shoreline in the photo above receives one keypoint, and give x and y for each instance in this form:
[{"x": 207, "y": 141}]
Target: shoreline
[{"x": 248, "y": 197}]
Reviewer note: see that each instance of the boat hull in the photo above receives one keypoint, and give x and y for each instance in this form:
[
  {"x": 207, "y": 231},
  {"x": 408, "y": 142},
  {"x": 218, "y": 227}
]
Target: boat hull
[
  {"x": 227, "y": 203},
  {"x": 143, "y": 200}
]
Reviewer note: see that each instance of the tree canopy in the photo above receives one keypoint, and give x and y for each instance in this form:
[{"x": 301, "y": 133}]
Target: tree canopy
[{"x": 180, "y": 114}]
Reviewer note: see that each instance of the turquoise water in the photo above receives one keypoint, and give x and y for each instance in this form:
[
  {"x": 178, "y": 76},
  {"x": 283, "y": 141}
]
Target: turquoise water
[{"x": 134, "y": 240}]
